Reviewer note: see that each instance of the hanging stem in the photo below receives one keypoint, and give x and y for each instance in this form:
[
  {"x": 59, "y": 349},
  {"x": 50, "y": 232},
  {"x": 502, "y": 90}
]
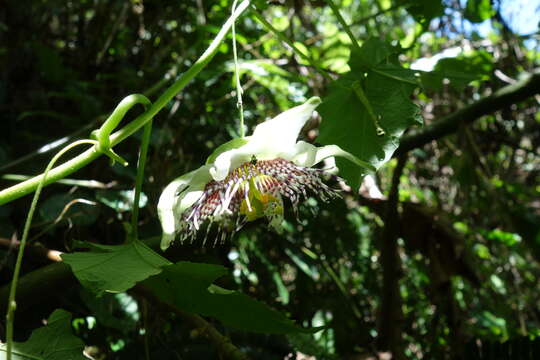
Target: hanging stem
[
  {"x": 239, "y": 90},
  {"x": 12, "y": 305},
  {"x": 26, "y": 187},
  {"x": 139, "y": 180}
]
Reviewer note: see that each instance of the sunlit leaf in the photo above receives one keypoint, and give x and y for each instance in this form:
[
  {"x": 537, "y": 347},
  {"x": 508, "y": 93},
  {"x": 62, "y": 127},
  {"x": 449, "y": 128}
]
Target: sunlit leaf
[
  {"x": 459, "y": 72},
  {"x": 307, "y": 344},
  {"x": 348, "y": 123},
  {"x": 507, "y": 238},
  {"x": 481, "y": 251},
  {"x": 279, "y": 82},
  {"x": 115, "y": 268}
]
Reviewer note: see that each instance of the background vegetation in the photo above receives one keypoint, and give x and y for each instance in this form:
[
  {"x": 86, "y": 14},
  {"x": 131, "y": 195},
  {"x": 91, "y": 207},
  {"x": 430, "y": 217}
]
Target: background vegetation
[{"x": 444, "y": 264}]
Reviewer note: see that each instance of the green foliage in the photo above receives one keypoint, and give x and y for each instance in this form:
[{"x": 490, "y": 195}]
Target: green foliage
[
  {"x": 70, "y": 209},
  {"x": 121, "y": 200},
  {"x": 475, "y": 282},
  {"x": 54, "y": 341},
  {"x": 307, "y": 345},
  {"x": 423, "y": 11},
  {"x": 115, "y": 268},
  {"x": 387, "y": 87},
  {"x": 274, "y": 78},
  {"x": 459, "y": 72},
  {"x": 189, "y": 287},
  {"x": 477, "y": 11},
  {"x": 115, "y": 311}
]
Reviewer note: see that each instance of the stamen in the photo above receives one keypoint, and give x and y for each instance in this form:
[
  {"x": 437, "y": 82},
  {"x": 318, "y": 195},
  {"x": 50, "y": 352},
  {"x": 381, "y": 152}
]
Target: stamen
[{"x": 253, "y": 190}]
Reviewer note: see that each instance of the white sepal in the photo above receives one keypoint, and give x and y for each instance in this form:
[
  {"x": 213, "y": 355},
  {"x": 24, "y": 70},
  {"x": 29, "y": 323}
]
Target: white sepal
[{"x": 178, "y": 196}]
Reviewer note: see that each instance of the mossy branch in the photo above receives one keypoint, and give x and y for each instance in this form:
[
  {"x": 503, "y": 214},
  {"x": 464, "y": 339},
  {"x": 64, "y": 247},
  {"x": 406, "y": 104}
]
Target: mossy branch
[{"x": 506, "y": 96}]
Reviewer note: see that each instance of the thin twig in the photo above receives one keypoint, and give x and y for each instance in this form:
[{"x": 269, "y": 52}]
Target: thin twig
[
  {"x": 289, "y": 42},
  {"x": 91, "y": 184},
  {"x": 506, "y": 96}
]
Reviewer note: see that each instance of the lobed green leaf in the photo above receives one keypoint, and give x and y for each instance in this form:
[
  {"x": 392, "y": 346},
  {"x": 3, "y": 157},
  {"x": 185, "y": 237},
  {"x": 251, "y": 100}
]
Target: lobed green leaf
[
  {"x": 347, "y": 121},
  {"x": 189, "y": 287},
  {"x": 54, "y": 341},
  {"x": 115, "y": 268}
]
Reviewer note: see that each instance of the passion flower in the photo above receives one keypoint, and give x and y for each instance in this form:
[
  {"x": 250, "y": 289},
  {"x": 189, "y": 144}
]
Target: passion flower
[{"x": 249, "y": 178}]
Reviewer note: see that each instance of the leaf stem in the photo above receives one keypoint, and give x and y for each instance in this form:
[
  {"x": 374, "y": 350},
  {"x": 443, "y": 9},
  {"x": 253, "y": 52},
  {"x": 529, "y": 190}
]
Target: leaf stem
[
  {"x": 382, "y": 73},
  {"x": 289, "y": 42},
  {"x": 12, "y": 305},
  {"x": 26, "y": 187},
  {"x": 357, "y": 88}
]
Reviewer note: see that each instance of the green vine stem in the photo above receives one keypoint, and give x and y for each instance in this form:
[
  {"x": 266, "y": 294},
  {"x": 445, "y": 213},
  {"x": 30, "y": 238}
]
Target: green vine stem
[
  {"x": 289, "y": 42},
  {"x": 12, "y": 305},
  {"x": 341, "y": 20},
  {"x": 26, "y": 187},
  {"x": 168, "y": 77},
  {"x": 103, "y": 134},
  {"x": 139, "y": 180},
  {"x": 92, "y": 184}
]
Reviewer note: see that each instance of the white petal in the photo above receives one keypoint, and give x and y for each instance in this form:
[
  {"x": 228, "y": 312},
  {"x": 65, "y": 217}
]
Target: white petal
[
  {"x": 280, "y": 133},
  {"x": 179, "y": 195},
  {"x": 271, "y": 139},
  {"x": 308, "y": 155},
  {"x": 229, "y": 145},
  {"x": 231, "y": 159}
]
